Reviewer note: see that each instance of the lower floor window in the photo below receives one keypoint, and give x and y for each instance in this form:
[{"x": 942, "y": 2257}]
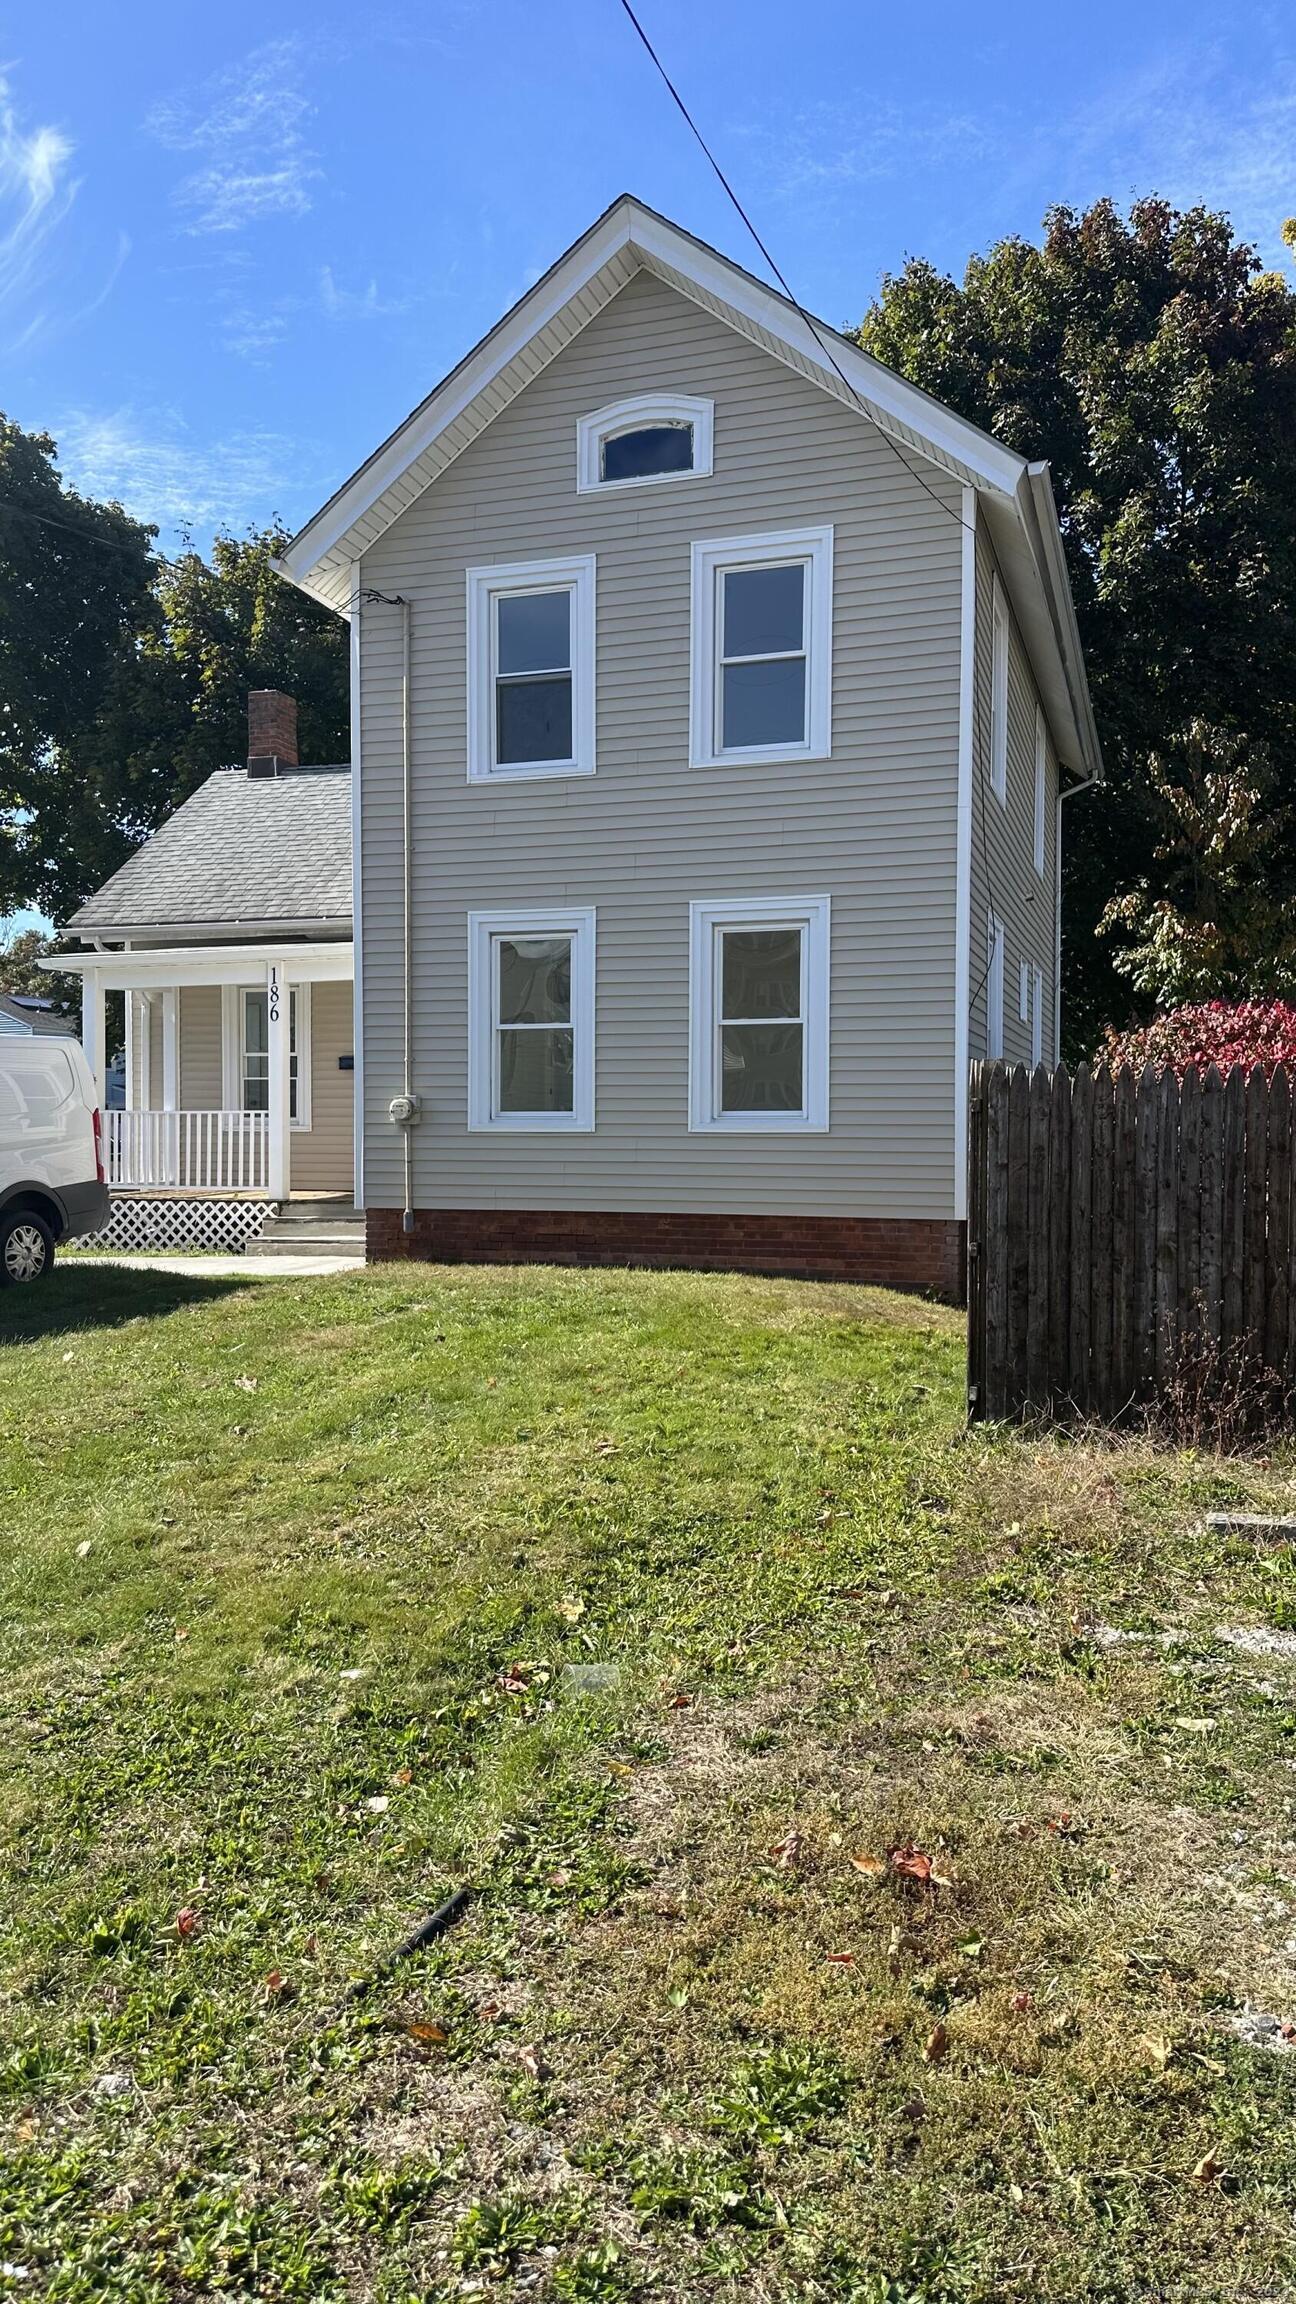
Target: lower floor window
[
  {"x": 758, "y": 1037},
  {"x": 531, "y": 1020},
  {"x": 255, "y": 1046}
]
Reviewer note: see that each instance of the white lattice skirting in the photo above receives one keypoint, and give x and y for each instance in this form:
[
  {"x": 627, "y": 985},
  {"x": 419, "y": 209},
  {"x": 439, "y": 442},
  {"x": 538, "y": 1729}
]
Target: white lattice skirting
[{"x": 172, "y": 1225}]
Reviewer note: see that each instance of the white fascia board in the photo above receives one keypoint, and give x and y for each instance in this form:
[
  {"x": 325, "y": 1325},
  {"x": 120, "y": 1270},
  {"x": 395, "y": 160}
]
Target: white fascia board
[
  {"x": 1038, "y": 487},
  {"x": 212, "y": 964},
  {"x": 653, "y": 240}
]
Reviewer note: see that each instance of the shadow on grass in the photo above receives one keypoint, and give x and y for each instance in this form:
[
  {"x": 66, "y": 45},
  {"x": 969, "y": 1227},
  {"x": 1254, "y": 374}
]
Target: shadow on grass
[{"x": 104, "y": 1296}]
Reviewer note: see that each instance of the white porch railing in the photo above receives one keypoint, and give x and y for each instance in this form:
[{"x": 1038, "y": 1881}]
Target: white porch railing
[{"x": 187, "y": 1151}]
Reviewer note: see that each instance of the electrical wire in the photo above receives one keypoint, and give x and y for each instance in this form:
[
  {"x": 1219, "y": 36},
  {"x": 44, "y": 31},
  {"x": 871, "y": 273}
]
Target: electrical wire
[
  {"x": 816, "y": 330},
  {"x": 88, "y": 535}
]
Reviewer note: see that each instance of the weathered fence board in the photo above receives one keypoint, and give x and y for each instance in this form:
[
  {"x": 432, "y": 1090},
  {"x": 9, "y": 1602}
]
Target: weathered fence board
[{"x": 1115, "y": 1223}]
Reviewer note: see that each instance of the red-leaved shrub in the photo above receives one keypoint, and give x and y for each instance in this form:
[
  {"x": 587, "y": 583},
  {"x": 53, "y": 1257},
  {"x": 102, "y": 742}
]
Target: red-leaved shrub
[{"x": 1222, "y": 1032}]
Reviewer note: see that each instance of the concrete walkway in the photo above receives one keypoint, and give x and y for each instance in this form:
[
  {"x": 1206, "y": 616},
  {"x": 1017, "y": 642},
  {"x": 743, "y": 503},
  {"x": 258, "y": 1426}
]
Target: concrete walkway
[{"x": 218, "y": 1267}]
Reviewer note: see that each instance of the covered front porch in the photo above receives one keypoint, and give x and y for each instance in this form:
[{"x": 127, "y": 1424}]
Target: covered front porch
[{"x": 239, "y": 1069}]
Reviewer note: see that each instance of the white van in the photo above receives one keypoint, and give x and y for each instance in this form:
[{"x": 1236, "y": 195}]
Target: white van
[{"x": 51, "y": 1154}]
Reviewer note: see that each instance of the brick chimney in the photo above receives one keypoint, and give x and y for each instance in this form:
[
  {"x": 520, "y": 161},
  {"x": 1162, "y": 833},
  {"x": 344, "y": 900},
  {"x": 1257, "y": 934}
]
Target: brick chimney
[{"x": 272, "y": 731}]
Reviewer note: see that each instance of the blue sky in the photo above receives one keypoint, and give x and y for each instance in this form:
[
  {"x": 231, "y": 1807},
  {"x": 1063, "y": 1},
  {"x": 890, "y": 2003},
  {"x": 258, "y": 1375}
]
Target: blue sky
[{"x": 237, "y": 244}]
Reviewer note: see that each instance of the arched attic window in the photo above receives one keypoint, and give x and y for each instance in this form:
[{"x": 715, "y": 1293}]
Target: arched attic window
[{"x": 655, "y": 436}]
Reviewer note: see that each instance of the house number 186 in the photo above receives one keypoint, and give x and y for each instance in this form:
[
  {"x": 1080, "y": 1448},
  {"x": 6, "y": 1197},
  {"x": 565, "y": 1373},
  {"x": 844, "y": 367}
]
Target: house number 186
[{"x": 274, "y": 995}]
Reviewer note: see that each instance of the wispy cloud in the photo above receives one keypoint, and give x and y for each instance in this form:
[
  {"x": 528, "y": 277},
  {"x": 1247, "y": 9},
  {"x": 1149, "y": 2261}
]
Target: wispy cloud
[
  {"x": 246, "y": 127},
  {"x": 339, "y": 303},
  {"x": 37, "y": 189},
  {"x": 149, "y": 460}
]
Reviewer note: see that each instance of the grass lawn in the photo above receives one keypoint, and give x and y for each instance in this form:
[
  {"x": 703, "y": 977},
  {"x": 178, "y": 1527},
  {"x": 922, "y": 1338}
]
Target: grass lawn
[{"x": 880, "y": 1839}]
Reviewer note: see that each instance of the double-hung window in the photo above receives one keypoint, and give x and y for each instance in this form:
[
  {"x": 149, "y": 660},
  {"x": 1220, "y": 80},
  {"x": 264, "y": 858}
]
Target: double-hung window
[
  {"x": 761, "y": 685},
  {"x": 758, "y": 1029},
  {"x": 531, "y": 669},
  {"x": 531, "y": 1020}
]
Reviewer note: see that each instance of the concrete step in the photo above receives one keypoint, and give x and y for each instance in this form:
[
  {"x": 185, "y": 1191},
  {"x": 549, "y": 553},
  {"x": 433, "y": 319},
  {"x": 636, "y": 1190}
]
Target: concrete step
[
  {"x": 310, "y": 1240},
  {"x": 317, "y": 1212}
]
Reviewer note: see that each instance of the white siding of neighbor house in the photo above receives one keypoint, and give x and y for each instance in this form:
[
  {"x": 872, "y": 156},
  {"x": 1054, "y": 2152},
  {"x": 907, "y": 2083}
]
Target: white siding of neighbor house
[
  {"x": 874, "y": 827},
  {"x": 1004, "y": 878}
]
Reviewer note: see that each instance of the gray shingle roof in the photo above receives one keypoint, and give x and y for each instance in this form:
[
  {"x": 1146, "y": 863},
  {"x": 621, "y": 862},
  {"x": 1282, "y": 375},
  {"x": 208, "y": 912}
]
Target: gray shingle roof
[{"x": 242, "y": 852}]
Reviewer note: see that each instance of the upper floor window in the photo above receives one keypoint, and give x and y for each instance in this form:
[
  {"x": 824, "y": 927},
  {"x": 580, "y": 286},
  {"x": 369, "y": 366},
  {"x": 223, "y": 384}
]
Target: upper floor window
[
  {"x": 999, "y": 694},
  {"x": 531, "y": 669},
  {"x": 762, "y": 648},
  {"x": 654, "y": 436}
]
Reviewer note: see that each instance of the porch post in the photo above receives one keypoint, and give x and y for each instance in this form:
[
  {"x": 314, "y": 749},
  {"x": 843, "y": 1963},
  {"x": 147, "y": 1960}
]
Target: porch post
[
  {"x": 170, "y": 1048},
  {"x": 93, "y": 1028},
  {"x": 278, "y": 1012}
]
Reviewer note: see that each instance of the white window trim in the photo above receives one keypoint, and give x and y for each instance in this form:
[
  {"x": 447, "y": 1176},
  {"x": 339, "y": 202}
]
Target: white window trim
[
  {"x": 710, "y": 558},
  {"x": 1023, "y": 1002},
  {"x": 485, "y": 586},
  {"x": 999, "y": 694},
  {"x": 1041, "y": 788},
  {"x": 631, "y": 415},
  {"x": 483, "y": 928},
  {"x": 995, "y": 943},
  {"x": 1037, "y": 1016},
  {"x": 812, "y": 915},
  {"x": 233, "y": 1021}
]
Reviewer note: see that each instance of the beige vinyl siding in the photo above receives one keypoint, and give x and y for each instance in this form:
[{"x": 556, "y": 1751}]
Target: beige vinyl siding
[
  {"x": 1003, "y": 837},
  {"x": 873, "y": 827},
  {"x": 202, "y": 1079},
  {"x": 322, "y": 1155}
]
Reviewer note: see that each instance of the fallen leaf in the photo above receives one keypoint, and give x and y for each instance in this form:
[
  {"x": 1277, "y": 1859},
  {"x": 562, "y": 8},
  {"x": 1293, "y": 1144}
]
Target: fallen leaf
[
  {"x": 1156, "y": 2048},
  {"x": 1209, "y": 2168},
  {"x": 378, "y": 1804},
  {"x": 913, "y": 1863},
  {"x": 871, "y": 1866},
  {"x": 246, "y": 1383},
  {"x": 842, "y": 1959},
  {"x": 428, "y": 2034},
  {"x": 277, "y": 1987},
  {"x": 488, "y": 2011},
  {"x": 403, "y": 1776},
  {"x": 533, "y": 2063},
  {"x": 679, "y": 1702},
  {"x": 571, "y": 1608},
  {"x": 785, "y": 1852},
  {"x": 187, "y": 1921},
  {"x": 83, "y": 1550},
  {"x": 1021, "y": 2003},
  {"x": 935, "y": 2045}
]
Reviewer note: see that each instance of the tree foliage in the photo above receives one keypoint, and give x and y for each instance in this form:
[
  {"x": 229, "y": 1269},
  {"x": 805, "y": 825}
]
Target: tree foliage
[
  {"x": 124, "y": 677},
  {"x": 173, "y": 708},
  {"x": 19, "y": 971},
  {"x": 1153, "y": 363},
  {"x": 1222, "y": 1032},
  {"x": 75, "y": 595}
]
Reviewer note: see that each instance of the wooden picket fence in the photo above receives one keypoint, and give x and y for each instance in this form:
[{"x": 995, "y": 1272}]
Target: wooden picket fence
[{"x": 1110, "y": 1218}]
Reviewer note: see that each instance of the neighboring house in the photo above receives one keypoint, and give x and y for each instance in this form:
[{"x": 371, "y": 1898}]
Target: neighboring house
[
  {"x": 31, "y": 1017},
  {"x": 714, "y": 695},
  {"x": 229, "y": 932}
]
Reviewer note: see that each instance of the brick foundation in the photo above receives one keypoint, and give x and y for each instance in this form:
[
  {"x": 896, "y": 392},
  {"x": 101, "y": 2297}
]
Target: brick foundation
[{"x": 889, "y": 1252}]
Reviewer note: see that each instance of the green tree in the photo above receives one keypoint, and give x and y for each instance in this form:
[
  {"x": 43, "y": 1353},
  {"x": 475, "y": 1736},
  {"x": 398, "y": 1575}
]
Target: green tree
[
  {"x": 1153, "y": 362},
  {"x": 75, "y": 594},
  {"x": 173, "y": 707},
  {"x": 19, "y": 972}
]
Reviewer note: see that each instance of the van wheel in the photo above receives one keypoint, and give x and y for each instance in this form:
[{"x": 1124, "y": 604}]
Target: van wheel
[{"x": 26, "y": 1248}]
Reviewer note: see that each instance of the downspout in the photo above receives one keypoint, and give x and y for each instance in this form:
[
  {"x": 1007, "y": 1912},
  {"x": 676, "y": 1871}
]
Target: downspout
[{"x": 405, "y": 1109}]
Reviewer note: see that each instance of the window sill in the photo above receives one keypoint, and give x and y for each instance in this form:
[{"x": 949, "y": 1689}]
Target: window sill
[
  {"x": 532, "y": 772},
  {"x": 530, "y": 1124},
  {"x": 758, "y": 1124},
  {"x": 777, "y": 754}
]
